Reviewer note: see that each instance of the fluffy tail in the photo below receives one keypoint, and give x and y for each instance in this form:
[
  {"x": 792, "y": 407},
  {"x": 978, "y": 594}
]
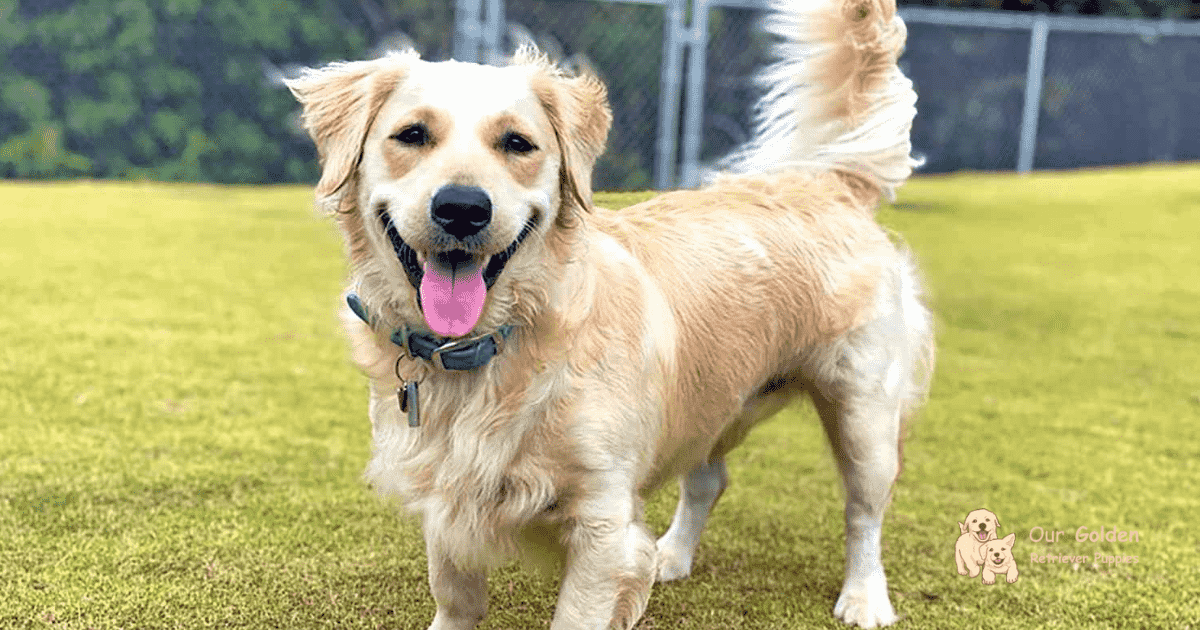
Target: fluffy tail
[{"x": 836, "y": 98}]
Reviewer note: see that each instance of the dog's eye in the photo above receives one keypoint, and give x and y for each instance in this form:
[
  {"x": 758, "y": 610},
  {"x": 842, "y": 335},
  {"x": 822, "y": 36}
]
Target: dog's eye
[
  {"x": 516, "y": 143},
  {"x": 413, "y": 135}
]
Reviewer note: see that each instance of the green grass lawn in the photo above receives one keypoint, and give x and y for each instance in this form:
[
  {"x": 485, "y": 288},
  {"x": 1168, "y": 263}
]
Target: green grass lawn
[{"x": 182, "y": 436}]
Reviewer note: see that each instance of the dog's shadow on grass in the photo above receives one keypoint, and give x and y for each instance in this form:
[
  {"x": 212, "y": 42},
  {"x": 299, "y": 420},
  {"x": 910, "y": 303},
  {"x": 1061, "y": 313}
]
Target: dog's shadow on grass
[{"x": 759, "y": 578}]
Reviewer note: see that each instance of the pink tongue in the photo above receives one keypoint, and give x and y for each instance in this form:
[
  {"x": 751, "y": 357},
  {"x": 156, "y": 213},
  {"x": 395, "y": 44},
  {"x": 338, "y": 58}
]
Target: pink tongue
[
  {"x": 982, "y": 535},
  {"x": 452, "y": 301}
]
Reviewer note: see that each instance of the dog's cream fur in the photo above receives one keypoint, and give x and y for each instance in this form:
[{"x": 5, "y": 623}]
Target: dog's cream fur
[{"x": 648, "y": 341}]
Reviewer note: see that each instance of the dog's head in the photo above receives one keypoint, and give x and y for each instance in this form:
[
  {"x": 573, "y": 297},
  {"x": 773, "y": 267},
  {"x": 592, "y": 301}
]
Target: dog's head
[
  {"x": 998, "y": 552},
  {"x": 981, "y": 524},
  {"x": 452, "y": 179}
]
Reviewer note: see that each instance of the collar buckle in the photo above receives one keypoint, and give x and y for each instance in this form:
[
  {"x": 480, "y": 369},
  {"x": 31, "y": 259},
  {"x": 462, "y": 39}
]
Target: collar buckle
[{"x": 435, "y": 357}]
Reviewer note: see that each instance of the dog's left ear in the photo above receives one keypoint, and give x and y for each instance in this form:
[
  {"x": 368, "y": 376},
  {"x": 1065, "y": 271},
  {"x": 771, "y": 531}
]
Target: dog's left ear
[
  {"x": 996, "y": 521},
  {"x": 1010, "y": 539},
  {"x": 578, "y": 109},
  {"x": 340, "y": 102}
]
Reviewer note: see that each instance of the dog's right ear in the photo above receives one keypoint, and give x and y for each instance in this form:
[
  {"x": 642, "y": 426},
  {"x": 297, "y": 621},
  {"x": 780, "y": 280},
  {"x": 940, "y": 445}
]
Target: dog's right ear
[
  {"x": 340, "y": 102},
  {"x": 962, "y": 528}
]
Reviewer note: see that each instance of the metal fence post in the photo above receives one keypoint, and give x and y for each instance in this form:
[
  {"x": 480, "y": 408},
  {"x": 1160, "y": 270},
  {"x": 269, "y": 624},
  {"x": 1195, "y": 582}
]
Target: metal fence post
[
  {"x": 1033, "y": 93},
  {"x": 467, "y": 31},
  {"x": 493, "y": 33},
  {"x": 693, "y": 113},
  {"x": 669, "y": 88}
]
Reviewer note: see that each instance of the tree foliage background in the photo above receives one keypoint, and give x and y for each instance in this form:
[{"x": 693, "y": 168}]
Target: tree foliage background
[
  {"x": 184, "y": 89},
  {"x": 176, "y": 89}
]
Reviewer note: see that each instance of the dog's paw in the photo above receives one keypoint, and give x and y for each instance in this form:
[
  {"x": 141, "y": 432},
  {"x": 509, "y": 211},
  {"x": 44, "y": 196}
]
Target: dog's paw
[
  {"x": 963, "y": 572},
  {"x": 671, "y": 566},
  {"x": 1010, "y": 578},
  {"x": 987, "y": 581},
  {"x": 446, "y": 622},
  {"x": 865, "y": 605}
]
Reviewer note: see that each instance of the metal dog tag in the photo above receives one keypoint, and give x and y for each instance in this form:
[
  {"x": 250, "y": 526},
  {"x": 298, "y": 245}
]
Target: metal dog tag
[
  {"x": 410, "y": 402},
  {"x": 409, "y": 374}
]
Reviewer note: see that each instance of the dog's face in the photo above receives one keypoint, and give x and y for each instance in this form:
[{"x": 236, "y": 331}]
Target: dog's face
[
  {"x": 981, "y": 524},
  {"x": 998, "y": 553},
  {"x": 451, "y": 177}
]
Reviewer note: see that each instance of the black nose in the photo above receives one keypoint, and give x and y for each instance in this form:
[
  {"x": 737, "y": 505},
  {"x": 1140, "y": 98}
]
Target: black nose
[{"x": 461, "y": 210}]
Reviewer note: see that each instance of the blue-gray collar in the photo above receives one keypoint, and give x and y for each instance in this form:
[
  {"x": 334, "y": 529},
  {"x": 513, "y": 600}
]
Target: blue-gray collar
[{"x": 446, "y": 354}]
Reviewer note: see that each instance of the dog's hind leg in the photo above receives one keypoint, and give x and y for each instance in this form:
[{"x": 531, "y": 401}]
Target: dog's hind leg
[
  {"x": 866, "y": 384},
  {"x": 698, "y": 493},
  {"x": 864, "y": 433},
  {"x": 700, "y": 489}
]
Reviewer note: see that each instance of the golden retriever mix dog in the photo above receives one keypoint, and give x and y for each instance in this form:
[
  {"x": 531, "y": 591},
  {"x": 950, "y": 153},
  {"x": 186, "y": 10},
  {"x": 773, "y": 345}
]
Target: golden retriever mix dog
[{"x": 538, "y": 365}]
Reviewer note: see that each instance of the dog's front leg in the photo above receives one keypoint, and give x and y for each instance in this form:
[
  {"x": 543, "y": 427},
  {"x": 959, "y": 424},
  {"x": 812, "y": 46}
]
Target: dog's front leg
[
  {"x": 960, "y": 563},
  {"x": 974, "y": 563},
  {"x": 461, "y": 596},
  {"x": 608, "y": 575},
  {"x": 989, "y": 576}
]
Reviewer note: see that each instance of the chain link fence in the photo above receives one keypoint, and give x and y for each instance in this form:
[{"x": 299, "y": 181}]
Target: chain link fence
[
  {"x": 193, "y": 91},
  {"x": 1115, "y": 99},
  {"x": 1104, "y": 91},
  {"x": 1002, "y": 91},
  {"x": 970, "y": 86},
  {"x": 622, "y": 44},
  {"x": 643, "y": 51}
]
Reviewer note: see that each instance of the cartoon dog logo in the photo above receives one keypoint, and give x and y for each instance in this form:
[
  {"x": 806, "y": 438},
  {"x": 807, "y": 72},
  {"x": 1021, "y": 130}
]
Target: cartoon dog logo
[
  {"x": 978, "y": 549},
  {"x": 998, "y": 558}
]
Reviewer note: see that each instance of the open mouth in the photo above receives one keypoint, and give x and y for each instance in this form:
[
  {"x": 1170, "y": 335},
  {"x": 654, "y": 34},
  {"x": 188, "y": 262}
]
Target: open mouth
[
  {"x": 982, "y": 535},
  {"x": 997, "y": 560},
  {"x": 452, "y": 285}
]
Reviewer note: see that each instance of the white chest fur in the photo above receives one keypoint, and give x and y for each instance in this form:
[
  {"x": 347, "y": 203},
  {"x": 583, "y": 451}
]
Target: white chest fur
[{"x": 477, "y": 474}]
